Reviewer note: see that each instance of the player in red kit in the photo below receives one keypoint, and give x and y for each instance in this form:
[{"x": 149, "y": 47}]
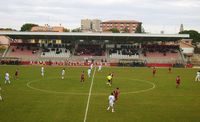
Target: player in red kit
[
  {"x": 170, "y": 69},
  {"x": 82, "y": 77},
  {"x": 154, "y": 71},
  {"x": 178, "y": 81},
  {"x": 116, "y": 93},
  {"x": 16, "y": 73}
]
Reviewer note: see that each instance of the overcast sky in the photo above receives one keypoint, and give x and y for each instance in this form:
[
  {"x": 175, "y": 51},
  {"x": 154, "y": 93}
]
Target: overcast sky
[{"x": 156, "y": 15}]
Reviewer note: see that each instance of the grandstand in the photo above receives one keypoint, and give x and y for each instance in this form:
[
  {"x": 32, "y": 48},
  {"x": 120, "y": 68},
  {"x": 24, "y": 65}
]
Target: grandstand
[{"x": 80, "y": 48}]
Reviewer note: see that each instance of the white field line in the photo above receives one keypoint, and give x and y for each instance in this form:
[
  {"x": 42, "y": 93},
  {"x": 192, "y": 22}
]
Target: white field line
[
  {"x": 88, "y": 101},
  {"x": 75, "y": 93}
]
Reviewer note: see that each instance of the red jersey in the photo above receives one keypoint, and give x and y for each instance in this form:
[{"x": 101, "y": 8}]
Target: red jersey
[
  {"x": 17, "y": 72},
  {"x": 82, "y": 76},
  {"x": 154, "y": 71},
  {"x": 170, "y": 69},
  {"x": 116, "y": 93},
  {"x": 178, "y": 80}
]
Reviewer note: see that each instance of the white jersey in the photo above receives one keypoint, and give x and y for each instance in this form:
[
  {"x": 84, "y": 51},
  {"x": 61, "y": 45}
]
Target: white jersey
[
  {"x": 42, "y": 69},
  {"x": 111, "y": 99},
  {"x": 6, "y": 76},
  {"x": 63, "y": 72},
  {"x": 100, "y": 66},
  {"x": 91, "y": 66},
  {"x": 89, "y": 71},
  {"x": 198, "y": 73}
]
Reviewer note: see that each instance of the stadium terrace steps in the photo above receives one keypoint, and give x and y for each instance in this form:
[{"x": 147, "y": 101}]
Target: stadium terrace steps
[
  {"x": 120, "y": 56},
  {"x": 53, "y": 54},
  {"x": 24, "y": 53}
]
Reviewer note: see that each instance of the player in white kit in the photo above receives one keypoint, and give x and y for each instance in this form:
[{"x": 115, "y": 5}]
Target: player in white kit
[
  {"x": 89, "y": 72},
  {"x": 42, "y": 71},
  {"x": 91, "y": 66},
  {"x": 100, "y": 67},
  {"x": 7, "y": 79},
  {"x": 63, "y": 73},
  {"x": 198, "y": 76},
  {"x": 111, "y": 100},
  {"x": 0, "y": 94}
]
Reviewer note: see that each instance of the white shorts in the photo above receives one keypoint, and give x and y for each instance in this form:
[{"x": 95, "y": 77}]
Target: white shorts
[
  {"x": 6, "y": 78},
  {"x": 111, "y": 104}
]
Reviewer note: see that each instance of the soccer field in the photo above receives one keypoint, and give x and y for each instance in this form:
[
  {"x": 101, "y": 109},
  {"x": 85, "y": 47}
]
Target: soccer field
[{"x": 143, "y": 98}]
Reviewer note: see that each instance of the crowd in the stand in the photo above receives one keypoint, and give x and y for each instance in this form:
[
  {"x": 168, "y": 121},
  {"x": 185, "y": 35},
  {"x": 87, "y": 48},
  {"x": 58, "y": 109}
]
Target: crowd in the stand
[
  {"x": 89, "y": 50},
  {"x": 164, "y": 49},
  {"x": 125, "y": 50},
  {"x": 57, "y": 48},
  {"x": 25, "y": 47}
]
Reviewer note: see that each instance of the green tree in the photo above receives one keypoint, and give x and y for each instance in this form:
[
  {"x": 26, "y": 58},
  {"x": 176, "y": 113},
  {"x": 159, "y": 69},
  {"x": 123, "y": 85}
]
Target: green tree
[
  {"x": 143, "y": 30},
  {"x": 66, "y": 30},
  {"x": 28, "y": 26},
  {"x": 138, "y": 28},
  {"x": 125, "y": 30},
  {"x": 114, "y": 30},
  {"x": 76, "y": 30},
  {"x": 195, "y": 35}
]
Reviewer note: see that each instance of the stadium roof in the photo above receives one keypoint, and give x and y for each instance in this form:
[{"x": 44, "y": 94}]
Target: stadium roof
[{"x": 95, "y": 36}]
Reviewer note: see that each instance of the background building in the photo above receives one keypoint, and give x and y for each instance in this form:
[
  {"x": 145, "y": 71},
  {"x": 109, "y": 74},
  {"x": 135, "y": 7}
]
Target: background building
[
  {"x": 96, "y": 23},
  {"x": 181, "y": 28},
  {"x": 48, "y": 28},
  {"x": 90, "y": 25},
  {"x": 122, "y": 25}
]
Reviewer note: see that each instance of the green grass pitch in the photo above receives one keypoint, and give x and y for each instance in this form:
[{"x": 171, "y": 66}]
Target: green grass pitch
[{"x": 143, "y": 98}]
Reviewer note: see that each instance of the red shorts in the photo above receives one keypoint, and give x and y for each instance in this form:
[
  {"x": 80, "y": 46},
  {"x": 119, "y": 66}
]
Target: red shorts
[
  {"x": 116, "y": 97},
  {"x": 178, "y": 82}
]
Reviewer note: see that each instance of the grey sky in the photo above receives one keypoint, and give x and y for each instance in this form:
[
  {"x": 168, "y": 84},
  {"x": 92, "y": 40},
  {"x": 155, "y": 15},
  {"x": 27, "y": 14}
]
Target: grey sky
[{"x": 156, "y": 15}]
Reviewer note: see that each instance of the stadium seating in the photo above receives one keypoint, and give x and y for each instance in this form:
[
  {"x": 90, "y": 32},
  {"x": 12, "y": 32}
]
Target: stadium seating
[
  {"x": 89, "y": 50},
  {"x": 154, "y": 53},
  {"x": 23, "y": 51},
  {"x": 124, "y": 52},
  {"x": 56, "y": 52}
]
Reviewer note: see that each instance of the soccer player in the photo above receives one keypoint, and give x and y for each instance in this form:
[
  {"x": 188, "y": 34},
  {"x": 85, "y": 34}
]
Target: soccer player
[
  {"x": 154, "y": 71},
  {"x": 109, "y": 78},
  {"x": 170, "y": 69},
  {"x": 91, "y": 66},
  {"x": 111, "y": 100},
  {"x": 63, "y": 73},
  {"x": 42, "y": 71},
  {"x": 16, "y": 73},
  {"x": 112, "y": 75},
  {"x": 100, "y": 67},
  {"x": 7, "y": 79},
  {"x": 116, "y": 93},
  {"x": 178, "y": 81},
  {"x": 198, "y": 76},
  {"x": 1, "y": 99},
  {"x": 82, "y": 77},
  {"x": 89, "y": 72}
]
